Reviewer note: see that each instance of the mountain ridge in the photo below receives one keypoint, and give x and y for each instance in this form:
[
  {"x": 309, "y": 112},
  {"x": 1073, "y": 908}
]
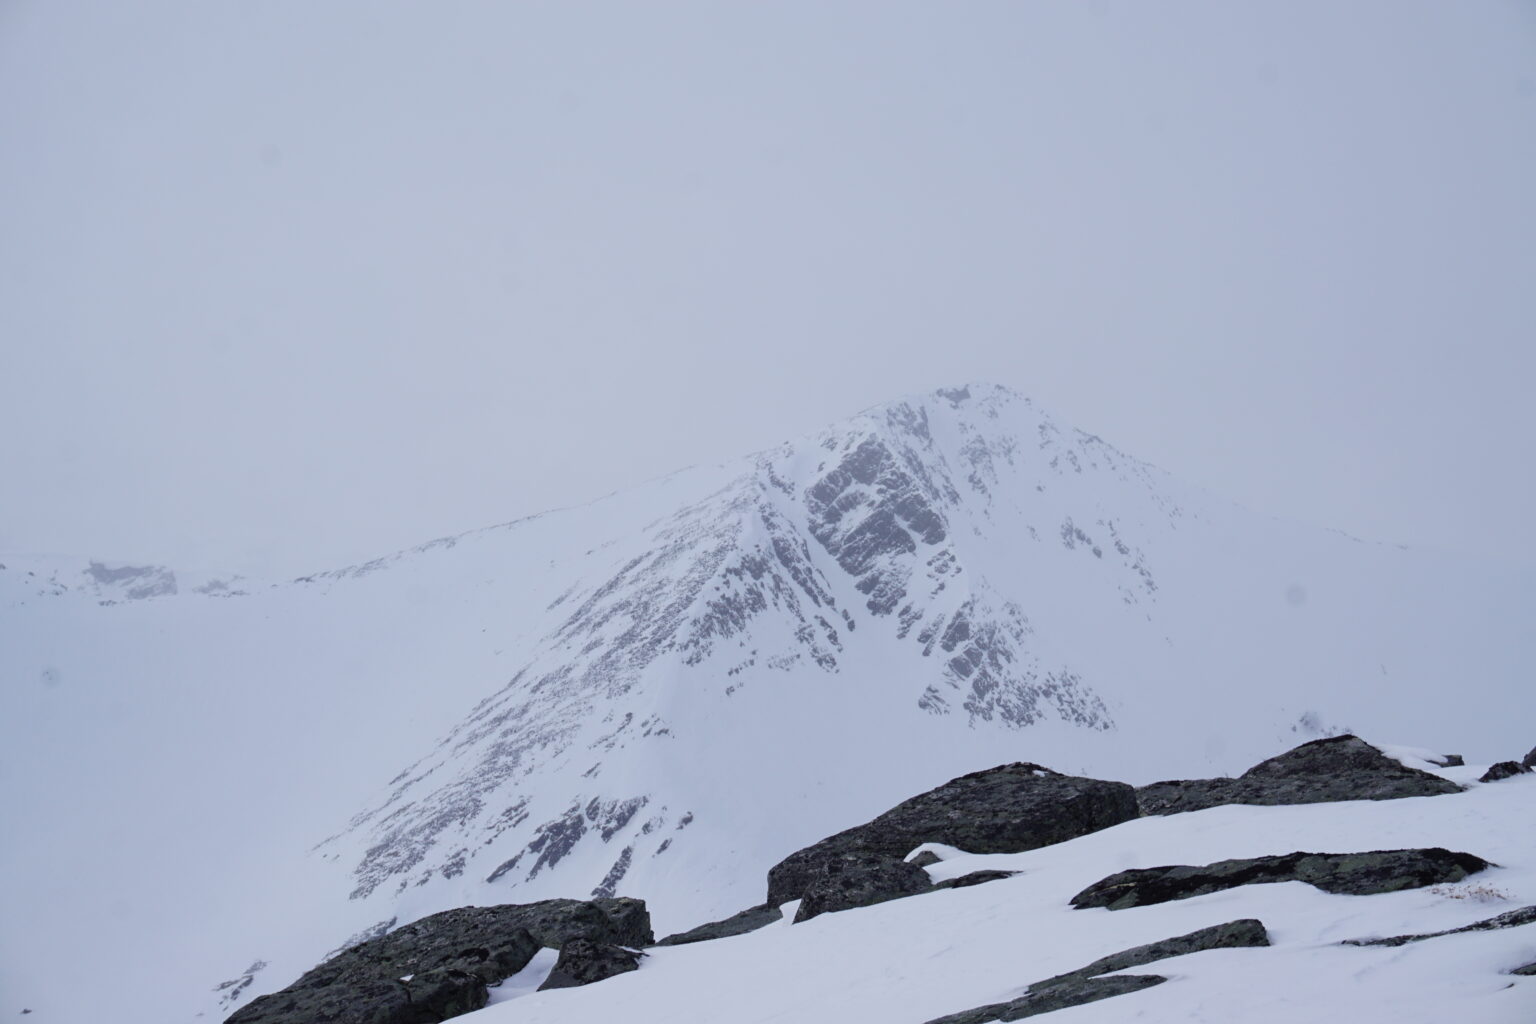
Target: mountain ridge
[{"x": 664, "y": 691}]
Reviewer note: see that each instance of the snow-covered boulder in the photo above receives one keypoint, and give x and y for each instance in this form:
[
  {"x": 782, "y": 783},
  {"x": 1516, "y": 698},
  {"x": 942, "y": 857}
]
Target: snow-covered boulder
[
  {"x": 1007, "y": 809},
  {"x": 1322, "y": 771}
]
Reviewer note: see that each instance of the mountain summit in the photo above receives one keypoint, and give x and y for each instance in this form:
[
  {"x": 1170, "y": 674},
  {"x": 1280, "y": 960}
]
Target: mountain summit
[
  {"x": 937, "y": 584},
  {"x": 667, "y": 691}
]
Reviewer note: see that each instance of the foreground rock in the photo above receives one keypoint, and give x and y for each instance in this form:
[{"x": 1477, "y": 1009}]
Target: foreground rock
[
  {"x": 583, "y": 962},
  {"x": 1008, "y": 809},
  {"x": 855, "y": 878},
  {"x": 1353, "y": 874},
  {"x": 618, "y": 919},
  {"x": 1084, "y": 985},
  {"x": 749, "y": 920},
  {"x": 1046, "y": 998},
  {"x": 1530, "y": 759},
  {"x": 1244, "y": 932},
  {"x": 1510, "y": 919},
  {"x": 898, "y": 882},
  {"x": 1504, "y": 770},
  {"x": 974, "y": 878},
  {"x": 1336, "y": 768},
  {"x": 440, "y": 966}
]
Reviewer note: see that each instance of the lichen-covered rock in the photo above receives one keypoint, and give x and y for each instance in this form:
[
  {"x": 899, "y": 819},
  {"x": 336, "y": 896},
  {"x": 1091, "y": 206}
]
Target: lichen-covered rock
[
  {"x": 1085, "y": 985},
  {"x": 424, "y": 998},
  {"x": 1322, "y": 771},
  {"x": 859, "y": 879},
  {"x": 439, "y": 967},
  {"x": 1355, "y": 874},
  {"x": 974, "y": 878},
  {"x": 749, "y": 920},
  {"x": 1008, "y": 809},
  {"x": 1244, "y": 932},
  {"x": 583, "y": 962},
  {"x": 618, "y": 919},
  {"x": 1504, "y": 770},
  {"x": 1509, "y": 919},
  {"x": 1047, "y": 998}
]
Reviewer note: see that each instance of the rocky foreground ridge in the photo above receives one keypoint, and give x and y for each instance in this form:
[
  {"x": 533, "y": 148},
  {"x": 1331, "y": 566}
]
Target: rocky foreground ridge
[{"x": 446, "y": 964}]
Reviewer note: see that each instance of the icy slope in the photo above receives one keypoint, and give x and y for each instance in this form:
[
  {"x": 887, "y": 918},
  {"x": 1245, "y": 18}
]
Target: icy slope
[
  {"x": 915, "y": 959},
  {"x": 665, "y": 691}
]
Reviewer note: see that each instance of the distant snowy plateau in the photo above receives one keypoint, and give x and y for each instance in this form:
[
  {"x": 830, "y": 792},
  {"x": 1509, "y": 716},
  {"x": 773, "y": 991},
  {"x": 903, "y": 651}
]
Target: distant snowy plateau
[{"x": 216, "y": 781}]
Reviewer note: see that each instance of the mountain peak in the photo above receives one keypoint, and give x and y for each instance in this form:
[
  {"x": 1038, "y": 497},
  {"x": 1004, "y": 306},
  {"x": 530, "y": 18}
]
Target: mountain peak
[
  {"x": 963, "y": 402},
  {"x": 664, "y": 692},
  {"x": 894, "y": 531}
]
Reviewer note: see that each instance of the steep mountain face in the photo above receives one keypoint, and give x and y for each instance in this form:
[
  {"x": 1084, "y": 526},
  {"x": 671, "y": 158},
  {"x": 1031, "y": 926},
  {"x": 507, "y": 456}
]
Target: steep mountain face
[
  {"x": 938, "y": 575},
  {"x": 889, "y": 525},
  {"x": 667, "y": 691}
]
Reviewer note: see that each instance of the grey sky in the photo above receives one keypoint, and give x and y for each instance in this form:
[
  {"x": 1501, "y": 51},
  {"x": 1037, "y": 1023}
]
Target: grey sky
[{"x": 286, "y": 285}]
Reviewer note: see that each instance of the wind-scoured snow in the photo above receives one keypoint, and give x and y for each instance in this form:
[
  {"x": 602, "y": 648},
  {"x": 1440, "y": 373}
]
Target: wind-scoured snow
[{"x": 664, "y": 692}]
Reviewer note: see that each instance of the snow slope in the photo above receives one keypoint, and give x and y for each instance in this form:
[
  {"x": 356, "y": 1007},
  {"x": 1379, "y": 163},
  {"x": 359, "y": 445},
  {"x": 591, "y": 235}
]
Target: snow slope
[
  {"x": 665, "y": 691},
  {"x": 911, "y": 960}
]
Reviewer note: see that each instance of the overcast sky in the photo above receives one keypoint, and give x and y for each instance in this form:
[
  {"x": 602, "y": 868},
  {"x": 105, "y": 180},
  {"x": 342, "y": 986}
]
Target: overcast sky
[{"x": 286, "y": 285}]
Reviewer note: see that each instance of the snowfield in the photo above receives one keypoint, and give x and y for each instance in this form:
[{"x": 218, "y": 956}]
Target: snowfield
[
  {"x": 911, "y": 960},
  {"x": 210, "y": 783}
]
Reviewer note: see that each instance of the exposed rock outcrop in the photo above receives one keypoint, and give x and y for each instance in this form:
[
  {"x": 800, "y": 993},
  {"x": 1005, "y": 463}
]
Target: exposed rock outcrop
[
  {"x": 1504, "y": 770},
  {"x": 1008, "y": 809},
  {"x": 1530, "y": 759},
  {"x": 440, "y": 966},
  {"x": 974, "y": 878},
  {"x": 854, "y": 885},
  {"x": 1245, "y": 931},
  {"x": 583, "y": 962},
  {"x": 1085, "y": 986},
  {"x": 1509, "y": 919},
  {"x": 1355, "y": 874},
  {"x": 856, "y": 878},
  {"x": 749, "y": 920},
  {"x": 1046, "y": 998},
  {"x": 1322, "y": 771},
  {"x": 619, "y": 919}
]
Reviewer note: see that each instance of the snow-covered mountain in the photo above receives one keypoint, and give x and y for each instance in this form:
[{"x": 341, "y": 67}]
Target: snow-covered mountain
[{"x": 665, "y": 691}]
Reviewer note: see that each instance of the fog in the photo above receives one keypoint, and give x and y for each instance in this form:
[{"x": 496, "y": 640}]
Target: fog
[{"x": 286, "y": 285}]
